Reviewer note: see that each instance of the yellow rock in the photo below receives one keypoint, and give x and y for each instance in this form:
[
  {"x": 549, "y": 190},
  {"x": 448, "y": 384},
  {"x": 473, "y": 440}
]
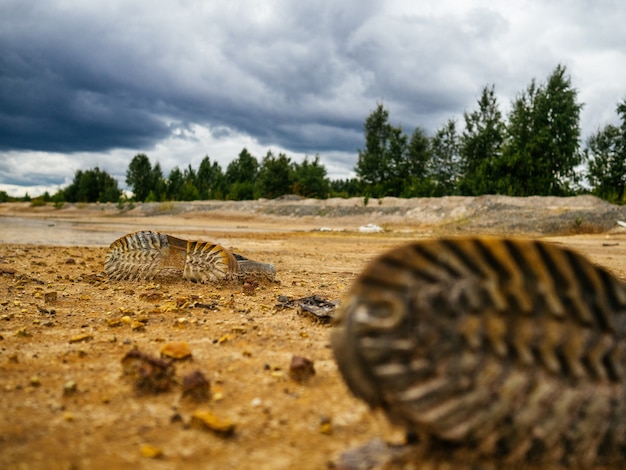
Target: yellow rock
[
  {"x": 150, "y": 452},
  {"x": 207, "y": 420},
  {"x": 114, "y": 322},
  {"x": 177, "y": 350},
  {"x": 225, "y": 338},
  {"x": 81, "y": 338}
]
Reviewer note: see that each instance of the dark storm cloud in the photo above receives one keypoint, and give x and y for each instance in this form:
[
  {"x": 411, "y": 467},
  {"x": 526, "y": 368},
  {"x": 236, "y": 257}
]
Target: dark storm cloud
[
  {"x": 90, "y": 80},
  {"x": 98, "y": 81}
]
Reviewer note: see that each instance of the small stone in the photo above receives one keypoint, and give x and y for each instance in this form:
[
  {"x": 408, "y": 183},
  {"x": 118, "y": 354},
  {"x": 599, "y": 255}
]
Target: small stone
[
  {"x": 249, "y": 287},
  {"x": 225, "y": 338},
  {"x": 196, "y": 386},
  {"x": 151, "y": 452},
  {"x": 301, "y": 369},
  {"x": 136, "y": 325},
  {"x": 148, "y": 374},
  {"x": 151, "y": 296},
  {"x": 69, "y": 387},
  {"x": 50, "y": 297},
  {"x": 208, "y": 421},
  {"x": 178, "y": 350},
  {"x": 35, "y": 381},
  {"x": 81, "y": 338},
  {"x": 22, "y": 333},
  {"x": 326, "y": 426}
]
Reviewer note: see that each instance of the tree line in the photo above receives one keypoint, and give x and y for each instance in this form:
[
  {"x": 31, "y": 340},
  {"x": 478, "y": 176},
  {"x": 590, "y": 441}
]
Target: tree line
[
  {"x": 536, "y": 150},
  {"x": 244, "y": 178}
]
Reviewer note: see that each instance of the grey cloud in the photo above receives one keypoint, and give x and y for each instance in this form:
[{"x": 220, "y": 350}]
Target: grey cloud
[
  {"x": 112, "y": 87},
  {"x": 97, "y": 76}
]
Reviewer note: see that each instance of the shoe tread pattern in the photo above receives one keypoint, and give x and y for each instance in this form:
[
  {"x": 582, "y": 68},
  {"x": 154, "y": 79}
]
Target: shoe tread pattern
[{"x": 512, "y": 348}]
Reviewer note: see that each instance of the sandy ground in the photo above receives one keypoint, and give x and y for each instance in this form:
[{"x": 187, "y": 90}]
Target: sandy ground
[{"x": 65, "y": 328}]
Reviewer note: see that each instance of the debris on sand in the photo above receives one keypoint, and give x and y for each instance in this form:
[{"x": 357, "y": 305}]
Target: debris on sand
[
  {"x": 313, "y": 305},
  {"x": 148, "y": 374},
  {"x": 151, "y": 452},
  {"x": 370, "y": 228},
  {"x": 196, "y": 386},
  {"x": 301, "y": 369},
  {"x": 82, "y": 338},
  {"x": 177, "y": 350},
  {"x": 208, "y": 421}
]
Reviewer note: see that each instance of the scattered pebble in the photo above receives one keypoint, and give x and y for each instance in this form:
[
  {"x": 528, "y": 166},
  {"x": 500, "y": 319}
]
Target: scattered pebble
[
  {"x": 225, "y": 338},
  {"x": 151, "y": 296},
  {"x": 69, "y": 387},
  {"x": 81, "y": 338},
  {"x": 196, "y": 386},
  {"x": 326, "y": 426},
  {"x": 148, "y": 374},
  {"x": 301, "y": 369},
  {"x": 178, "y": 350},
  {"x": 136, "y": 325},
  {"x": 50, "y": 297},
  {"x": 22, "y": 333},
  {"x": 151, "y": 452},
  {"x": 114, "y": 322},
  {"x": 249, "y": 287},
  {"x": 208, "y": 421}
]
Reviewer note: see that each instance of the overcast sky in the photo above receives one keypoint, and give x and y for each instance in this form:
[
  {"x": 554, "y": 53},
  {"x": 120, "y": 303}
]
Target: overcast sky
[{"x": 85, "y": 83}]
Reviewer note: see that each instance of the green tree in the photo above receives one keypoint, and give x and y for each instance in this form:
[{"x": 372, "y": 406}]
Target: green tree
[
  {"x": 188, "y": 192},
  {"x": 92, "y": 185},
  {"x": 349, "y": 187},
  {"x": 158, "y": 182},
  {"x": 481, "y": 146},
  {"x": 276, "y": 176},
  {"x": 417, "y": 181},
  {"x": 541, "y": 149},
  {"x": 372, "y": 164},
  {"x": 310, "y": 179},
  {"x": 174, "y": 184},
  {"x": 445, "y": 167},
  {"x": 382, "y": 165},
  {"x": 605, "y": 154},
  {"x": 140, "y": 177},
  {"x": 398, "y": 160},
  {"x": 241, "y": 176},
  {"x": 210, "y": 180}
]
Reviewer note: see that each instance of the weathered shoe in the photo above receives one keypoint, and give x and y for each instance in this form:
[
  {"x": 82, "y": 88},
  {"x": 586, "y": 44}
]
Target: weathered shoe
[
  {"x": 146, "y": 254},
  {"x": 506, "y": 350}
]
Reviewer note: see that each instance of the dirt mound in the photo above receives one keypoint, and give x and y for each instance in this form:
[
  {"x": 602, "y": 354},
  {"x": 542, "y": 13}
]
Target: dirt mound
[
  {"x": 446, "y": 215},
  {"x": 491, "y": 214}
]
